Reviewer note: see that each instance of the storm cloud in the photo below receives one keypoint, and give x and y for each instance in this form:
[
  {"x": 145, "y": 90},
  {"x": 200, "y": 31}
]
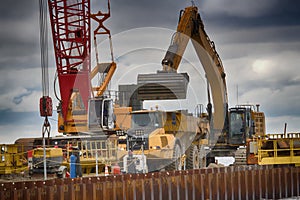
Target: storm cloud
[{"x": 258, "y": 42}]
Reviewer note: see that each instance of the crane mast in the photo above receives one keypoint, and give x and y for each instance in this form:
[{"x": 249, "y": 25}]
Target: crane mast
[
  {"x": 70, "y": 22},
  {"x": 71, "y": 33}
]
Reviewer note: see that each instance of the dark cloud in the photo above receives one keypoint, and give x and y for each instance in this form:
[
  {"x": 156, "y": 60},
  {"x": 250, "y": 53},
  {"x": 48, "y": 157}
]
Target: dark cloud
[
  {"x": 19, "y": 32},
  {"x": 251, "y": 13},
  {"x": 18, "y": 10},
  {"x": 243, "y": 31},
  {"x": 19, "y": 118},
  {"x": 128, "y": 14},
  {"x": 18, "y": 99}
]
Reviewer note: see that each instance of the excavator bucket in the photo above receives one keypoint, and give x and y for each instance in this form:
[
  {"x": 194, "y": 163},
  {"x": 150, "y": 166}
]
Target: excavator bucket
[{"x": 162, "y": 86}]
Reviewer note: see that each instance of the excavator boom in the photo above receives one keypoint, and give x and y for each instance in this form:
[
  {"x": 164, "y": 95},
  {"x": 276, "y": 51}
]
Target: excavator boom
[{"x": 191, "y": 27}]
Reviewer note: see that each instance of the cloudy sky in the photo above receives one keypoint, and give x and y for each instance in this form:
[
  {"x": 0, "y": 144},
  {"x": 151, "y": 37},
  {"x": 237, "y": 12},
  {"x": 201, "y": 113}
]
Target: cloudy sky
[{"x": 258, "y": 42}]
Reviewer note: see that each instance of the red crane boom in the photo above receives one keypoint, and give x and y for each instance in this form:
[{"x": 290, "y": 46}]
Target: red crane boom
[{"x": 70, "y": 22}]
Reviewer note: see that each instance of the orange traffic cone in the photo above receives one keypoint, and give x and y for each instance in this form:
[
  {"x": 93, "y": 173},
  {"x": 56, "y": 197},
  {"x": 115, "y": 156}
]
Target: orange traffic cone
[{"x": 106, "y": 171}]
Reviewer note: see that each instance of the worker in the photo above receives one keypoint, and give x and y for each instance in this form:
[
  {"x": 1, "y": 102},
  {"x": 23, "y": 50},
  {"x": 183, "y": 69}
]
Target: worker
[{"x": 76, "y": 152}]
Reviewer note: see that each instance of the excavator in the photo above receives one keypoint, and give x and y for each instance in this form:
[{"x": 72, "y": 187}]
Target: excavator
[
  {"x": 178, "y": 139},
  {"x": 238, "y": 132}
]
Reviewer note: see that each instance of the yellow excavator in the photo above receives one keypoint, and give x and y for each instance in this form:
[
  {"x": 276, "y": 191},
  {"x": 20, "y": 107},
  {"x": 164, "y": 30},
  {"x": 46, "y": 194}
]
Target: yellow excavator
[{"x": 178, "y": 139}]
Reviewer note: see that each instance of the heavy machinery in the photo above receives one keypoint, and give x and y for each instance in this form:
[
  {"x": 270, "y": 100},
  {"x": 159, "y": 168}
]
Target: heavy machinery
[
  {"x": 54, "y": 159},
  {"x": 82, "y": 106},
  {"x": 274, "y": 149},
  {"x": 237, "y": 132},
  {"x": 200, "y": 138},
  {"x": 156, "y": 137},
  {"x": 91, "y": 151},
  {"x": 12, "y": 159}
]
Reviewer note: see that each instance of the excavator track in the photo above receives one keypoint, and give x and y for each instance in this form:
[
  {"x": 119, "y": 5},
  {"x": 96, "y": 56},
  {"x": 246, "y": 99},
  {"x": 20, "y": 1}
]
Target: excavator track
[{"x": 240, "y": 157}]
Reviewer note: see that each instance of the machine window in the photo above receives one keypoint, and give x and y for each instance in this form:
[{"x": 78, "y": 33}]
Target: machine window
[
  {"x": 236, "y": 122},
  {"x": 152, "y": 119}
]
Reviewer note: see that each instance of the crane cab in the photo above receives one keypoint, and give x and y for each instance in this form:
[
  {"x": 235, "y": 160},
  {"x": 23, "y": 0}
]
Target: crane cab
[{"x": 101, "y": 114}]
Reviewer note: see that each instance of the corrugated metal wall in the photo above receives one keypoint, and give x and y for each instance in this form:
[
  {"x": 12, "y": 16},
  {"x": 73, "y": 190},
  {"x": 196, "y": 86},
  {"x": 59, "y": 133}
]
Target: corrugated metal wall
[{"x": 249, "y": 182}]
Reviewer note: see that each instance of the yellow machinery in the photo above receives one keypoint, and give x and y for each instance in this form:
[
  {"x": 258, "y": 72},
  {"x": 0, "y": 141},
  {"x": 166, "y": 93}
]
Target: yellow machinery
[
  {"x": 89, "y": 149},
  {"x": 92, "y": 153},
  {"x": 83, "y": 105},
  {"x": 222, "y": 131},
  {"x": 54, "y": 160},
  {"x": 12, "y": 159},
  {"x": 219, "y": 132},
  {"x": 275, "y": 149},
  {"x": 157, "y": 140},
  {"x": 177, "y": 139}
]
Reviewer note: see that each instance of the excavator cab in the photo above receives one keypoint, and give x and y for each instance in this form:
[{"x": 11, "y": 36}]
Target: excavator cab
[
  {"x": 239, "y": 129},
  {"x": 245, "y": 121}
]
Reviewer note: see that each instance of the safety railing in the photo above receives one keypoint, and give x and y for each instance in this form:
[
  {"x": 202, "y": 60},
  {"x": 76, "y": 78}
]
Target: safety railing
[{"x": 279, "y": 149}]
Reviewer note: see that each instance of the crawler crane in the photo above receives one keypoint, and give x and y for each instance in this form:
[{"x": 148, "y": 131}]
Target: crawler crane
[
  {"x": 80, "y": 109},
  {"x": 85, "y": 112}
]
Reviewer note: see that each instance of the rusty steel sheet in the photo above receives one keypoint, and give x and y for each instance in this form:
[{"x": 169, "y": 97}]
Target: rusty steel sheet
[
  {"x": 162, "y": 86},
  {"x": 235, "y": 182}
]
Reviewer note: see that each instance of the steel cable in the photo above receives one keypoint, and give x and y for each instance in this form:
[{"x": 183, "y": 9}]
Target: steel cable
[{"x": 44, "y": 45}]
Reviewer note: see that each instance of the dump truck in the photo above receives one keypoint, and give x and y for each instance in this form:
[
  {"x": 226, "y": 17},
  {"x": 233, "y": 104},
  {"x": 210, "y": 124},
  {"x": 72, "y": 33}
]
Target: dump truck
[{"x": 157, "y": 137}]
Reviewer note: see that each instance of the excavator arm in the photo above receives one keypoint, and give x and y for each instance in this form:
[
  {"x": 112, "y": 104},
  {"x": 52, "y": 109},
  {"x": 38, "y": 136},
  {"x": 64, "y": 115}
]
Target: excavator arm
[
  {"x": 214, "y": 70},
  {"x": 191, "y": 27}
]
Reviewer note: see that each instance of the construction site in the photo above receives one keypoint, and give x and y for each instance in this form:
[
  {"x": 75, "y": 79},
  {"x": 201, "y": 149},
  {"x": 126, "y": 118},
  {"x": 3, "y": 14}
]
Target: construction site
[{"x": 109, "y": 145}]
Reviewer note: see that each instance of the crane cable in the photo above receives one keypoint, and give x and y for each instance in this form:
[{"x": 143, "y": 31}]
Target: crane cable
[
  {"x": 45, "y": 76},
  {"x": 54, "y": 86},
  {"x": 44, "y": 46}
]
